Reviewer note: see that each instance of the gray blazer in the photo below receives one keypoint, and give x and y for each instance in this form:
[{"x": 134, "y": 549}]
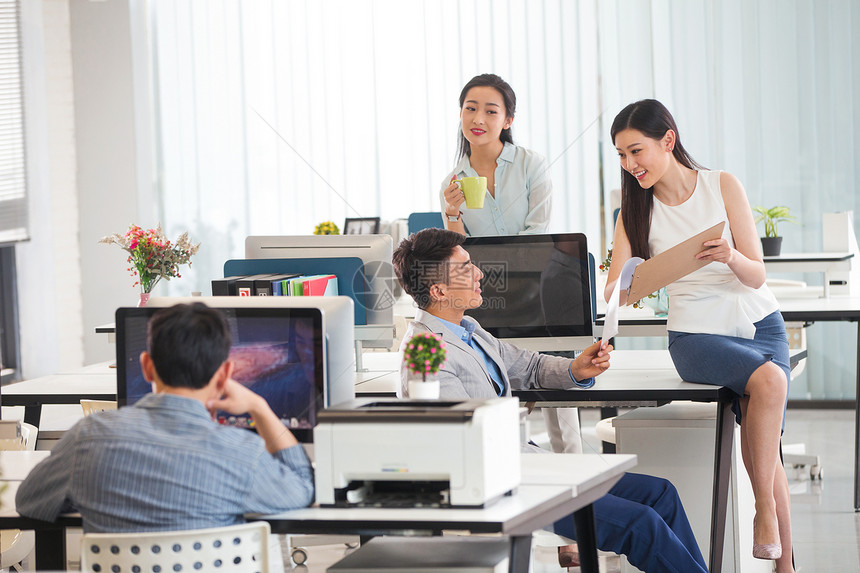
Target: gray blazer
[{"x": 464, "y": 374}]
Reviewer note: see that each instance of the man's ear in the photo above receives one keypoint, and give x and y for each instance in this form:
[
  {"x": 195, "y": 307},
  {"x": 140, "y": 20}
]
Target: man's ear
[
  {"x": 147, "y": 366},
  {"x": 222, "y": 375},
  {"x": 437, "y": 292}
]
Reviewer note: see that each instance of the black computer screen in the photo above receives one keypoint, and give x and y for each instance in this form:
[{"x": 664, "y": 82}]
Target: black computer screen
[
  {"x": 533, "y": 285},
  {"x": 277, "y": 352}
]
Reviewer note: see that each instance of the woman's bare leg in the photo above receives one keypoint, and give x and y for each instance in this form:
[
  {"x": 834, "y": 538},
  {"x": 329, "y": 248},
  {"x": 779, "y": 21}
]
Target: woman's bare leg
[
  {"x": 780, "y": 494},
  {"x": 767, "y": 389},
  {"x": 783, "y": 512}
]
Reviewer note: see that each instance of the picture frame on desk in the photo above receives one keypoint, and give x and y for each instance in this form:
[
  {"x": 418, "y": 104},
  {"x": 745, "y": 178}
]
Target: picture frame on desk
[{"x": 361, "y": 226}]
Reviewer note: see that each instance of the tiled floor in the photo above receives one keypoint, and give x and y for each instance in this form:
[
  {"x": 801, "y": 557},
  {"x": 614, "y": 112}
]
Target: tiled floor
[{"x": 825, "y": 527}]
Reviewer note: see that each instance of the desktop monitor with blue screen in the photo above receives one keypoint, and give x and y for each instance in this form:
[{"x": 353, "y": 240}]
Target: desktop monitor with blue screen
[
  {"x": 375, "y": 253},
  {"x": 536, "y": 290},
  {"x": 297, "y": 354}
]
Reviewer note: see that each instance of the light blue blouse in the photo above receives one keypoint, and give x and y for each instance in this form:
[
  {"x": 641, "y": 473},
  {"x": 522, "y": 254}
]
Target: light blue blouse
[{"x": 523, "y": 195}]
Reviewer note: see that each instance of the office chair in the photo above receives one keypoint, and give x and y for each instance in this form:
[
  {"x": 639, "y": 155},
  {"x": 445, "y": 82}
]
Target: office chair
[
  {"x": 16, "y": 545},
  {"x": 243, "y": 547},
  {"x": 430, "y": 220},
  {"x": 94, "y": 406}
]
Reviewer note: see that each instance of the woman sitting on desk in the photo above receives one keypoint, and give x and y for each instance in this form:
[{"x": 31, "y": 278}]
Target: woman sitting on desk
[
  {"x": 518, "y": 199},
  {"x": 724, "y": 324}
]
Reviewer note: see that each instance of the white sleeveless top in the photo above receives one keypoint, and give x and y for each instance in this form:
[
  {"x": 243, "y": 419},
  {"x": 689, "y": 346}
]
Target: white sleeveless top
[{"x": 710, "y": 300}]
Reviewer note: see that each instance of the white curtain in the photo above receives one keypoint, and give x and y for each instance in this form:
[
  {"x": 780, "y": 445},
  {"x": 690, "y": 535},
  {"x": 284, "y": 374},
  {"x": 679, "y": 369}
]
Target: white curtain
[
  {"x": 272, "y": 116},
  {"x": 766, "y": 90}
]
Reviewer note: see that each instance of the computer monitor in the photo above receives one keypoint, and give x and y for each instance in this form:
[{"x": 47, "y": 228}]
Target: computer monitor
[
  {"x": 295, "y": 352},
  {"x": 536, "y": 290},
  {"x": 374, "y": 251}
]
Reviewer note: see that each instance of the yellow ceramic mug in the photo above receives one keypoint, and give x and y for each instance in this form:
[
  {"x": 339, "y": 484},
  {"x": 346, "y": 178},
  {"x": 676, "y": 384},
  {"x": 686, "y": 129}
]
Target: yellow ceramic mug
[{"x": 474, "y": 189}]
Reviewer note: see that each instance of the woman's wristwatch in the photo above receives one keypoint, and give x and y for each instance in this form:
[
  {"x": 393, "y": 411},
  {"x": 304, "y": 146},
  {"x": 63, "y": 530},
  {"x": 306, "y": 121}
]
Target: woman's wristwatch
[{"x": 453, "y": 218}]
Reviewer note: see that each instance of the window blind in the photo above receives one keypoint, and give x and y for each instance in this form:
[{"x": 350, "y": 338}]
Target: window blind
[{"x": 13, "y": 180}]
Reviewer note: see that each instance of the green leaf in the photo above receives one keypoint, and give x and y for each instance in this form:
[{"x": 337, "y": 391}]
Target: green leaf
[{"x": 771, "y": 216}]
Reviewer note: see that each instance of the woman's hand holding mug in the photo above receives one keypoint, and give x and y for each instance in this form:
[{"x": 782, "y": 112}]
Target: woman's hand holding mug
[{"x": 454, "y": 197}]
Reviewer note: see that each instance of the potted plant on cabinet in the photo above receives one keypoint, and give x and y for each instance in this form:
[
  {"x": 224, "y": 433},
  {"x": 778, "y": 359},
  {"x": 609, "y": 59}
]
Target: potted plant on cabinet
[{"x": 771, "y": 243}]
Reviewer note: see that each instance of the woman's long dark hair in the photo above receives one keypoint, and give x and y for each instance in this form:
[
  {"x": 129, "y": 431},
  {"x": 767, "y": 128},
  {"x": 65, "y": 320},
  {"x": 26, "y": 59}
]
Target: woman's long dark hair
[
  {"x": 650, "y": 117},
  {"x": 500, "y": 85}
]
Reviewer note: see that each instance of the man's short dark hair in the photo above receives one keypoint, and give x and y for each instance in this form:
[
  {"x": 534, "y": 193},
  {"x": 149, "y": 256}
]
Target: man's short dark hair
[
  {"x": 420, "y": 261},
  {"x": 188, "y": 343}
]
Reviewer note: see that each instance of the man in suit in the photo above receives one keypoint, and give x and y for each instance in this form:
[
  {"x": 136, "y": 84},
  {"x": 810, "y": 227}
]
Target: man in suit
[{"x": 641, "y": 516}]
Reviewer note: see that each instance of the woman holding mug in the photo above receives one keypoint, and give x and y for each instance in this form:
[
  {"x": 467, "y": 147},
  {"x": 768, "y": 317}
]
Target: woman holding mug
[
  {"x": 517, "y": 201},
  {"x": 518, "y": 196},
  {"x": 724, "y": 323}
]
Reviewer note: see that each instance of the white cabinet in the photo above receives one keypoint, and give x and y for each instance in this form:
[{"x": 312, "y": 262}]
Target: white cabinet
[{"x": 676, "y": 442}]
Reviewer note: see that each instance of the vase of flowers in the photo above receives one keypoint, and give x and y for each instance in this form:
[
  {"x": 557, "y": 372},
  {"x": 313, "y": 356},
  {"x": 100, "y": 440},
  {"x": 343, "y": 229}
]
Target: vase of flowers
[
  {"x": 326, "y": 228},
  {"x": 152, "y": 256},
  {"x": 424, "y": 355}
]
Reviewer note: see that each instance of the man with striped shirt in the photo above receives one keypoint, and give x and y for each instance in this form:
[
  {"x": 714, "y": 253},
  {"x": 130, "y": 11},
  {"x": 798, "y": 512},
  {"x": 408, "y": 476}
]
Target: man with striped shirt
[{"x": 163, "y": 463}]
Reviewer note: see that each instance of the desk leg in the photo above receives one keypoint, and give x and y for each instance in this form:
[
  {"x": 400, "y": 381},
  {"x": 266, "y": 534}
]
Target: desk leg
[
  {"x": 722, "y": 467},
  {"x": 857, "y": 427},
  {"x": 51, "y": 549},
  {"x": 608, "y": 412},
  {"x": 521, "y": 551},
  {"x": 33, "y": 414},
  {"x": 586, "y": 539}
]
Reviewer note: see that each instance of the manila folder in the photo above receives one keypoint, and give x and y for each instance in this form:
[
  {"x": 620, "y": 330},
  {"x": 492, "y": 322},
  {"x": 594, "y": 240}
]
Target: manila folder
[{"x": 671, "y": 265}]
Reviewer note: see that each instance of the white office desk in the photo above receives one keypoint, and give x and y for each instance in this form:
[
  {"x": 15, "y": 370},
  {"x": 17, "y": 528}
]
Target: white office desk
[
  {"x": 554, "y": 485},
  {"x": 824, "y": 263},
  {"x": 15, "y": 465},
  {"x": 382, "y": 376},
  {"x": 587, "y": 475},
  {"x": 98, "y": 382},
  {"x": 835, "y": 308}
]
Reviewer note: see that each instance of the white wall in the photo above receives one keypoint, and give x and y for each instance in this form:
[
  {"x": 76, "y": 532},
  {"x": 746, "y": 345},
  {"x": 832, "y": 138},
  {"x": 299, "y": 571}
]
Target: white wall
[
  {"x": 82, "y": 74},
  {"x": 49, "y": 276},
  {"x": 107, "y": 111}
]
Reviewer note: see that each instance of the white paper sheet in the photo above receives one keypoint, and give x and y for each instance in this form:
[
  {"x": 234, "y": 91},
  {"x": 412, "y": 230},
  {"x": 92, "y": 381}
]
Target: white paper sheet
[{"x": 610, "y": 321}]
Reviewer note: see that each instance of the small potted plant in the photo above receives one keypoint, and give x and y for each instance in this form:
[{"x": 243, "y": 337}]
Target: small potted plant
[
  {"x": 424, "y": 355},
  {"x": 326, "y": 228},
  {"x": 771, "y": 243}
]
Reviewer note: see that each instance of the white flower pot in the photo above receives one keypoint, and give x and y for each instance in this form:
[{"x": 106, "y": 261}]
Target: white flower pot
[{"x": 421, "y": 390}]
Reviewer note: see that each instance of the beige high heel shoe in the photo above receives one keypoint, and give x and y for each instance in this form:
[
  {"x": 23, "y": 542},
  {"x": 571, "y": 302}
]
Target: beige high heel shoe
[
  {"x": 768, "y": 551},
  {"x": 568, "y": 556}
]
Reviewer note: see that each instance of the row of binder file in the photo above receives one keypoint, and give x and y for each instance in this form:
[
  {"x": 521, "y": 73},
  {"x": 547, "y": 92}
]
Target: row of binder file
[{"x": 276, "y": 285}]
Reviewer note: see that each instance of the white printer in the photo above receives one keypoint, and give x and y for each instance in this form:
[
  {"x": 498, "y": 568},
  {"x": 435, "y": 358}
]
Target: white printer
[{"x": 417, "y": 453}]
